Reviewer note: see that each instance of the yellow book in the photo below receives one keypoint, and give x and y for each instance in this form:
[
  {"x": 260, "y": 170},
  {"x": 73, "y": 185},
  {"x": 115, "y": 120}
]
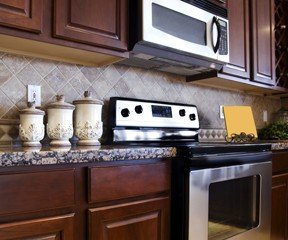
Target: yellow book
[{"x": 239, "y": 119}]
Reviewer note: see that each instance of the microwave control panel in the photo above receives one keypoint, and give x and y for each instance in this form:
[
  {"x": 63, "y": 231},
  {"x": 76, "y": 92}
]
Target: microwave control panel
[{"x": 223, "y": 47}]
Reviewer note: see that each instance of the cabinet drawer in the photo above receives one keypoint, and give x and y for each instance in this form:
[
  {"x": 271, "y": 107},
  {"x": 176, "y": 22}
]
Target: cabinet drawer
[
  {"x": 279, "y": 162},
  {"x": 118, "y": 182},
  {"x": 35, "y": 191}
]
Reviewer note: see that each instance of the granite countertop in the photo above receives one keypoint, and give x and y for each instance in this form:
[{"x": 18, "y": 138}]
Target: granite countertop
[
  {"x": 29, "y": 156},
  {"x": 45, "y": 156}
]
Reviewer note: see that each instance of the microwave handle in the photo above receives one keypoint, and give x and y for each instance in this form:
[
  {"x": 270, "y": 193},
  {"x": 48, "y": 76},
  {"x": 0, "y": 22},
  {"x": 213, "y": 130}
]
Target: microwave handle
[{"x": 215, "y": 22}]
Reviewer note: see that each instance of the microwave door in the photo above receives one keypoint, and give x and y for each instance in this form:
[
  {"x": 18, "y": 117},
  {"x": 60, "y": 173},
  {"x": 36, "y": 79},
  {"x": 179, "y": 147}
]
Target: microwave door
[{"x": 178, "y": 25}]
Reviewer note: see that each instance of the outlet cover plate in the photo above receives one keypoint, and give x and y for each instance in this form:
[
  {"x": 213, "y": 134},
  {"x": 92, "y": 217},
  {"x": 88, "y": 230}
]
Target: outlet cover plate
[{"x": 34, "y": 94}]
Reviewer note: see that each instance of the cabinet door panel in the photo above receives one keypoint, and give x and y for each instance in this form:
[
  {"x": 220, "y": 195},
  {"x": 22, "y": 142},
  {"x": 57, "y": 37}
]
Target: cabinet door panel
[
  {"x": 127, "y": 181},
  {"x": 95, "y": 22},
  {"x": 137, "y": 220},
  {"x": 263, "y": 41},
  {"x": 279, "y": 207},
  {"x": 54, "y": 228},
  {"x": 36, "y": 191},
  {"x": 22, "y": 14},
  {"x": 238, "y": 15}
]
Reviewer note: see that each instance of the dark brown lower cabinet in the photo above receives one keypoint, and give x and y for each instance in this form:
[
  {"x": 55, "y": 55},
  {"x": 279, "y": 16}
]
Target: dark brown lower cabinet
[
  {"x": 54, "y": 228},
  {"x": 279, "y": 207},
  {"x": 142, "y": 220},
  {"x": 125, "y": 200}
]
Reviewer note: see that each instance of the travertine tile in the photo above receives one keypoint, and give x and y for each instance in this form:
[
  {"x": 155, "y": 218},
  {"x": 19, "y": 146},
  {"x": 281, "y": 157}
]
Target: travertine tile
[
  {"x": 102, "y": 86},
  {"x": 68, "y": 70},
  {"x": 14, "y": 62},
  {"x": 28, "y": 75},
  {"x": 47, "y": 92},
  {"x": 112, "y": 75},
  {"x": 5, "y": 73},
  {"x": 14, "y": 89},
  {"x": 121, "y": 88},
  {"x": 80, "y": 83},
  {"x": 91, "y": 73},
  {"x": 6, "y": 104},
  {"x": 69, "y": 92},
  {"x": 56, "y": 80},
  {"x": 13, "y": 113},
  {"x": 43, "y": 66},
  {"x": 115, "y": 80}
]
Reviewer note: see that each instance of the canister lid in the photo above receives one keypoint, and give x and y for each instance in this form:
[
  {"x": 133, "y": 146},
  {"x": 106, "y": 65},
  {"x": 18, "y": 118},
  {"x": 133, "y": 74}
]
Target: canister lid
[
  {"x": 60, "y": 103},
  {"x": 31, "y": 110},
  {"x": 88, "y": 99}
]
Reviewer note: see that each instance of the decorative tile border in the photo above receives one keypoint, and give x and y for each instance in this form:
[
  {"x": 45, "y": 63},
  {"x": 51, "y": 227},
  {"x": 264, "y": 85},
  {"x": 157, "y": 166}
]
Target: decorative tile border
[
  {"x": 212, "y": 135},
  {"x": 9, "y": 132}
]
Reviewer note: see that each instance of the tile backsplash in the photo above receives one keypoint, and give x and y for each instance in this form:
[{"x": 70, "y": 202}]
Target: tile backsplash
[{"x": 115, "y": 80}]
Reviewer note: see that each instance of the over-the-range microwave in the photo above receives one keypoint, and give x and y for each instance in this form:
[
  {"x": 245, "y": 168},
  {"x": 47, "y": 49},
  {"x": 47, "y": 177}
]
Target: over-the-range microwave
[{"x": 184, "y": 37}]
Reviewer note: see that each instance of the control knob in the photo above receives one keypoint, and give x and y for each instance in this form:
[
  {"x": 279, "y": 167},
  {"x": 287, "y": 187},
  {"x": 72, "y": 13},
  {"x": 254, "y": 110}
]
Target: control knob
[
  {"x": 138, "y": 109},
  {"x": 192, "y": 116},
  {"x": 125, "y": 112},
  {"x": 182, "y": 112}
]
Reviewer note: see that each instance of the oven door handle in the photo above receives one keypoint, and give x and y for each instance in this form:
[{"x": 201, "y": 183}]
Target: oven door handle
[
  {"x": 223, "y": 160},
  {"x": 216, "y": 23}
]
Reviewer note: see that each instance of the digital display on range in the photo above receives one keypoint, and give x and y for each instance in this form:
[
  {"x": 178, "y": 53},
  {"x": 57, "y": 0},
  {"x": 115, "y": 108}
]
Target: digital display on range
[{"x": 161, "y": 111}]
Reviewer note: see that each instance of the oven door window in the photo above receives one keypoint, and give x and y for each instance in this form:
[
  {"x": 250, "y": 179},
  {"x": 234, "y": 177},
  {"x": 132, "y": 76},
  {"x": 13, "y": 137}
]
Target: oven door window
[
  {"x": 178, "y": 25},
  {"x": 233, "y": 207}
]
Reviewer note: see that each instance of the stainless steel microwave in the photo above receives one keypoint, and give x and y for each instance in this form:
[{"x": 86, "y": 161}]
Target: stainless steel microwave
[
  {"x": 179, "y": 25},
  {"x": 178, "y": 36}
]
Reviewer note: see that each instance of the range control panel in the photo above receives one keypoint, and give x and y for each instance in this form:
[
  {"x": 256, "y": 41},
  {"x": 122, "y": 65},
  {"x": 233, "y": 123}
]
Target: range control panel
[{"x": 133, "y": 113}]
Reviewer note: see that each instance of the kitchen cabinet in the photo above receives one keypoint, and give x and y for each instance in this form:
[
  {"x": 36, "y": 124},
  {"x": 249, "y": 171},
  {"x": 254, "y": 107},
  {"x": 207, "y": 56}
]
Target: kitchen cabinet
[
  {"x": 22, "y": 14},
  {"x": 279, "y": 207},
  {"x": 100, "y": 22},
  {"x": 142, "y": 220},
  {"x": 83, "y": 32},
  {"x": 54, "y": 228},
  {"x": 116, "y": 200},
  {"x": 252, "y": 40}
]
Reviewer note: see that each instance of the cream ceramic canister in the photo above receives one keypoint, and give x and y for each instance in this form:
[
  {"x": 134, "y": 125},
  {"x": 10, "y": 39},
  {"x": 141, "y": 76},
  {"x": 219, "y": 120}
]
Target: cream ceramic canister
[
  {"x": 31, "y": 128},
  {"x": 60, "y": 122},
  {"x": 88, "y": 120}
]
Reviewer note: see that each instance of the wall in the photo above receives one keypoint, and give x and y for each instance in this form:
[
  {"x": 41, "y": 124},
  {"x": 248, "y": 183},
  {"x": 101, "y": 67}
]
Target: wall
[{"x": 115, "y": 80}]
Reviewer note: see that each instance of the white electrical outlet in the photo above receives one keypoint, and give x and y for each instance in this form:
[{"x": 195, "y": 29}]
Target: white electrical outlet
[
  {"x": 265, "y": 116},
  {"x": 34, "y": 94},
  {"x": 221, "y": 112}
]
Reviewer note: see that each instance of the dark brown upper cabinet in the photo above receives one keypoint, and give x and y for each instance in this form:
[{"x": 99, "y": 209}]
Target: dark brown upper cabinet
[
  {"x": 22, "y": 14},
  {"x": 239, "y": 20},
  {"x": 102, "y": 23},
  {"x": 251, "y": 40},
  {"x": 263, "y": 40}
]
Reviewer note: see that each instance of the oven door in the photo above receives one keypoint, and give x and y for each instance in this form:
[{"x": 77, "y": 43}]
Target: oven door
[
  {"x": 181, "y": 26},
  {"x": 230, "y": 202}
]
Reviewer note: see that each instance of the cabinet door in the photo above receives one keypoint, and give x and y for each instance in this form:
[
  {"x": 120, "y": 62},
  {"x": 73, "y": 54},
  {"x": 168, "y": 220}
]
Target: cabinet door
[
  {"x": 54, "y": 228},
  {"x": 22, "y": 14},
  {"x": 279, "y": 207},
  {"x": 263, "y": 41},
  {"x": 96, "y": 22},
  {"x": 143, "y": 220},
  {"x": 238, "y": 15}
]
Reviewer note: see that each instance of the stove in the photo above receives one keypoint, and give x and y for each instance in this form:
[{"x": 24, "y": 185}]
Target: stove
[{"x": 219, "y": 191}]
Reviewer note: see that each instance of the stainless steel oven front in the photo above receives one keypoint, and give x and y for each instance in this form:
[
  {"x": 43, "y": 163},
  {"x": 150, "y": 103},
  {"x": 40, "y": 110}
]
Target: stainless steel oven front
[{"x": 224, "y": 196}]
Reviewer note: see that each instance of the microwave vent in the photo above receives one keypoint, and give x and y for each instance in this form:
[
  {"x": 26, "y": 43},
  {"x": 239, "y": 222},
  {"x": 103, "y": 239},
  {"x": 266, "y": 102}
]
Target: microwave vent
[{"x": 210, "y": 7}]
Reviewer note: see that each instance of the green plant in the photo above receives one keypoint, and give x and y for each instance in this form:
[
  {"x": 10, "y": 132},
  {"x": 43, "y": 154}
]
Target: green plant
[{"x": 277, "y": 130}]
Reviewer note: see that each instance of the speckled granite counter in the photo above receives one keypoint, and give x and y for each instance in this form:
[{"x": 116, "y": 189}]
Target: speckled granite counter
[
  {"x": 279, "y": 145},
  {"x": 23, "y": 157}
]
